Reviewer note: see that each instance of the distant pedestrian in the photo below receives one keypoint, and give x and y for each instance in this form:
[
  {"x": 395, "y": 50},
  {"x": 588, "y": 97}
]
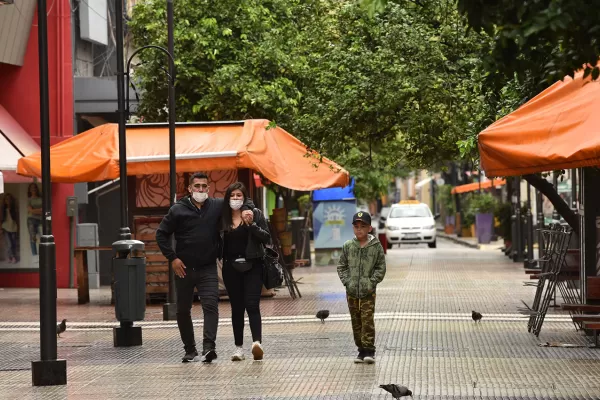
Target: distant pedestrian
[{"x": 361, "y": 268}]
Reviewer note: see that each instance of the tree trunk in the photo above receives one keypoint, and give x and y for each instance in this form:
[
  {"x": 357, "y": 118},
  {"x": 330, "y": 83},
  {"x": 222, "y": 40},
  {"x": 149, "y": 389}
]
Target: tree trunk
[{"x": 548, "y": 190}]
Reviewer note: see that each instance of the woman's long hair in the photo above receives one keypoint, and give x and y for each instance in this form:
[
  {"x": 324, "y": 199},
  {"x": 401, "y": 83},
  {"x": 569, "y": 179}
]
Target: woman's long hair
[
  {"x": 30, "y": 192},
  {"x": 11, "y": 208},
  {"x": 226, "y": 217}
]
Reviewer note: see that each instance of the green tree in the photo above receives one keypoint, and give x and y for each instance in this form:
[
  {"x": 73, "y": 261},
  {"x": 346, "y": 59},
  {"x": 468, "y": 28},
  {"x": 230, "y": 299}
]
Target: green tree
[{"x": 401, "y": 88}]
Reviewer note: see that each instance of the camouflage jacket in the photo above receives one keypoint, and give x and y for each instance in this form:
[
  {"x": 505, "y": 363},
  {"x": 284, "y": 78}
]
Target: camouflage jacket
[{"x": 361, "y": 269}]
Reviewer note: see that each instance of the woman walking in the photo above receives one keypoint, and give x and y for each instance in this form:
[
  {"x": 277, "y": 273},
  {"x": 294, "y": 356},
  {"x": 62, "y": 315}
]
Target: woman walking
[{"x": 243, "y": 252}]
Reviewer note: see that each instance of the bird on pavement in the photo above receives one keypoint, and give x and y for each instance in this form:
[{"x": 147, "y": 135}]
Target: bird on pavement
[
  {"x": 397, "y": 391},
  {"x": 60, "y": 328},
  {"x": 476, "y": 316},
  {"x": 322, "y": 314}
]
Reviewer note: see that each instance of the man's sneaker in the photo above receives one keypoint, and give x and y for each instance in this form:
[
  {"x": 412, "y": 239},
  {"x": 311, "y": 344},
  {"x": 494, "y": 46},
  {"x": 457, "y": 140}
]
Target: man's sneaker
[
  {"x": 238, "y": 354},
  {"x": 360, "y": 358},
  {"x": 208, "y": 356},
  {"x": 190, "y": 356},
  {"x": 257, "y": 351},
  {"x": 369, "y": 357}
]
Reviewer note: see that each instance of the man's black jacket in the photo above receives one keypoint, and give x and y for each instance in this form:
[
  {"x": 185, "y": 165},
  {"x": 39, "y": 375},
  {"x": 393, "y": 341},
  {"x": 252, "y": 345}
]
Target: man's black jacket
[{"x": 196, "y": 231}]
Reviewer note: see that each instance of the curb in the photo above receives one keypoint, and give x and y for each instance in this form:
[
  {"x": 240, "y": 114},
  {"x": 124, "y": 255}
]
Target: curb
[{"x": 441, "y": 234}]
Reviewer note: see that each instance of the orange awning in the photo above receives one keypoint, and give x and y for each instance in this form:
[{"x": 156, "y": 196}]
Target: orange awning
[
  {"x": 277, "y": 155},
  {"x": 470, "y": 187},
  {"x": 557, "y": 129},
  {"x": 15, "y": 143}
]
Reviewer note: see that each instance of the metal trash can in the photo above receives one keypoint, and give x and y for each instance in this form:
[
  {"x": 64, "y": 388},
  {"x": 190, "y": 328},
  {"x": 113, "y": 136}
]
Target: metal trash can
[{"x": 129, "y": 269}]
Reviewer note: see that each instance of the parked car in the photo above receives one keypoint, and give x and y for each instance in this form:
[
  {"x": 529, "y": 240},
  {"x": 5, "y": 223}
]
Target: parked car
[{"x": 411, "y": 222}]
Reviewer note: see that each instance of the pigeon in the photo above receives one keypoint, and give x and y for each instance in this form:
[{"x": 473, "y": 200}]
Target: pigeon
[
  {"x": 396, "y": 390},
  {"x": 476, "y": 316},
  {"x": 60, "y": 328},
  {"x": 322, "y": 314}
]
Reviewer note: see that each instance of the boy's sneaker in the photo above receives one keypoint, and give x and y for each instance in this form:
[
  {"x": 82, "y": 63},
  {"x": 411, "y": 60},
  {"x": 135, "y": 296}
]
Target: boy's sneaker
[
  {"x": 190, "y": 356},
  {"x": 257, "y": 351},
  {"x": 360, "y": 358},
  {"x": 238, "y": 354},
  {"x": 369, "y": 357},
  {"x": 208, "y": 356}
]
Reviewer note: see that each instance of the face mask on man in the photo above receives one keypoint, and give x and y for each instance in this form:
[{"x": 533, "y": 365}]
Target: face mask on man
[
  {"x": 200, "y": 197},
  {"x": 236, "y": 204}
]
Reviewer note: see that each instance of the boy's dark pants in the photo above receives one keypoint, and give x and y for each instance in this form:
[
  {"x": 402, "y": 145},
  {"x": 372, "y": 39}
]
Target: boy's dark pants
[{"x": 362, "y": 314}]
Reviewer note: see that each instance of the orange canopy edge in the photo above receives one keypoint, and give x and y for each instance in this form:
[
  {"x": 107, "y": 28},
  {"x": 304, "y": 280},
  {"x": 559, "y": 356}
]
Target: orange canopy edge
[
  {"x": 94, "y": 155},
  {"x": 557, "y": 129},
  {"x": 470, "y": 187}
]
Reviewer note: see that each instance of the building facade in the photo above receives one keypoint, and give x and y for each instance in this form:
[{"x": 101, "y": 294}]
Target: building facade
[{"x": 20, "y": 136}]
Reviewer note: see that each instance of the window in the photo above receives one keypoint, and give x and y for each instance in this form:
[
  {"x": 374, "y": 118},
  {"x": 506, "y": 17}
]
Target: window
[{"x": 410, "y": 212}]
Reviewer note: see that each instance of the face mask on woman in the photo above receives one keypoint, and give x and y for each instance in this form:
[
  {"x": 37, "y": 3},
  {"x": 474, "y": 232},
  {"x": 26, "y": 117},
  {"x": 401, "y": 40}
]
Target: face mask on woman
[
  {"x": 236, "y": 204},
  {"x": 200, "y": 197}
]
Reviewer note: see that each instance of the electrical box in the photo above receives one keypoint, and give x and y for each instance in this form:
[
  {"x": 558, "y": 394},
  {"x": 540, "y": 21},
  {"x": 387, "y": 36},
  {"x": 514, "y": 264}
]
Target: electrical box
[
  {"x": 71, "y": 206},
  {"x": 87, "y": 235}
]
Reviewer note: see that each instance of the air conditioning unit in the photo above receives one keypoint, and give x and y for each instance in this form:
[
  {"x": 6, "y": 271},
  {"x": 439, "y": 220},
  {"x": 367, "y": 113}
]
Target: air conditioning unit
[{"x": 6, "y": 2}]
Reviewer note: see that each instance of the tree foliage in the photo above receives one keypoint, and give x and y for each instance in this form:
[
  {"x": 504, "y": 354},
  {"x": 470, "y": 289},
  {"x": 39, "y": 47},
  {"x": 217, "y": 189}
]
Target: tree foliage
[
  {"x": 377, "y": 94},
  {"x": 543, "y": 40}
]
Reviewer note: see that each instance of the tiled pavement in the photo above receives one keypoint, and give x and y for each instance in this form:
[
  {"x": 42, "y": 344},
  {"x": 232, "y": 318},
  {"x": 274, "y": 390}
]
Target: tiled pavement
[{"x": 425, "y": 339}]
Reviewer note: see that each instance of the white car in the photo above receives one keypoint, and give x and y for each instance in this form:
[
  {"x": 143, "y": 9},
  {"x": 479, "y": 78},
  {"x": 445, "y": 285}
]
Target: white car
[{"x": 410, "y": 223}]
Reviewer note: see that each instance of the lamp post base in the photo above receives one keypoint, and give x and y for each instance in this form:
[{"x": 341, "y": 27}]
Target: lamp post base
[
  {"x": 49, "y": 372},
  {"x": 127, "y": 336}
]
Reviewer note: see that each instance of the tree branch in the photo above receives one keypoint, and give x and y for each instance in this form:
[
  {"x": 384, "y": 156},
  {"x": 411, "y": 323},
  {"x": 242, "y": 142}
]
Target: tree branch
[{"x": 548, "y": 190}]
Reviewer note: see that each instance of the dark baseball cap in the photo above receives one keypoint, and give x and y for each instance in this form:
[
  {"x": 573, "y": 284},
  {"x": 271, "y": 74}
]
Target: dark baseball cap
[{"x": 363, "y": 217}]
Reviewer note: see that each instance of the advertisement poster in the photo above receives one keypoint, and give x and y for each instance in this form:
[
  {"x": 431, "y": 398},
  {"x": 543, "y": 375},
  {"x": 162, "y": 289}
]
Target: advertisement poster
[
  {"x": 9, "y": 231},
  {"x": 332, "y": 224}
]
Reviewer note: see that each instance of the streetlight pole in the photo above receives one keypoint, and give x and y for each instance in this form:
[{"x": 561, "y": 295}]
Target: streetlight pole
[
  {"x": 48, "y": 371},
  {"x": 170, "y": 307},
  {"x": 540, "y": 222},
  {"x": 124, "y": 232},
  {"x": 529, "y": 260},
  {"x": 518, "y": 239},
  {"x": 555, "y": 215}
]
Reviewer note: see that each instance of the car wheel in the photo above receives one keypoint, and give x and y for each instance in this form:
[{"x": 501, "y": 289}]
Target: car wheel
[
  {"x": 432, "y": 245},
  {"x": 389, "y": 246}
]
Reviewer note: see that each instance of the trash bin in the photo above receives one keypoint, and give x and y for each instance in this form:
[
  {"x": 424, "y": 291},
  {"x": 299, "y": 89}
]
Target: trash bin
[{"x": 129, "y": 269}]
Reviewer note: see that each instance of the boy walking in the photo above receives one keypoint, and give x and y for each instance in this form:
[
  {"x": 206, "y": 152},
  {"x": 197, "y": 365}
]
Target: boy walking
[{"x": 361, "y": 268}]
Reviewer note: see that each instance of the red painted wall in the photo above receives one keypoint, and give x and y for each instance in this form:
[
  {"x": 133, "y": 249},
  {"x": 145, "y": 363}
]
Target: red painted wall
[{"x": 19, "y": 94}]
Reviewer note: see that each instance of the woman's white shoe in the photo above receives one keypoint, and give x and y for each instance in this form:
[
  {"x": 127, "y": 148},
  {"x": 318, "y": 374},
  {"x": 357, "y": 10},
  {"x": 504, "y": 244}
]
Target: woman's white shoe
[
  {"x": 257, "y": 351},
  {"x": 238, "y": 354}
]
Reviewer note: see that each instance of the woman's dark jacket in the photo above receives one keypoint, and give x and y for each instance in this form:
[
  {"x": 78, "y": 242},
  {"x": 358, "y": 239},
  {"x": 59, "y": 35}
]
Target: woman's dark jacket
[{"x": 258, "y": 236}]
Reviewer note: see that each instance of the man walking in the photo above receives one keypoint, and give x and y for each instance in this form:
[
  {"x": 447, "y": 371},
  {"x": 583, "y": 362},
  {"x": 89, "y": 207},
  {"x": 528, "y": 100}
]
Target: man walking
[{"x": 194, "y": 220}]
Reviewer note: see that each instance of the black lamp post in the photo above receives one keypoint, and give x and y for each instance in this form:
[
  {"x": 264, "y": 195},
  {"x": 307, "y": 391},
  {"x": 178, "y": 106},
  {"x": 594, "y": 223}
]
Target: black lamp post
[
  {"x": 529, "y": 261},
  {"x": 47, "y": 371},
  {"x": 518, "y": 221},
  {"x": 540, "y": 222},
  {"x": 555, "y": 215},
  {"x": 170, "y": 307}
]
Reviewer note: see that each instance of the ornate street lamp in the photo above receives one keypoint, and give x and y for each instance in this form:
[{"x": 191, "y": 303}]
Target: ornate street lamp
[{"x": 170, "y": 307}]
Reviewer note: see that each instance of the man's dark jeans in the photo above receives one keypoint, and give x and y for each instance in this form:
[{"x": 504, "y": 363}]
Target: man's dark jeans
[{"x": 205, "y": 279}]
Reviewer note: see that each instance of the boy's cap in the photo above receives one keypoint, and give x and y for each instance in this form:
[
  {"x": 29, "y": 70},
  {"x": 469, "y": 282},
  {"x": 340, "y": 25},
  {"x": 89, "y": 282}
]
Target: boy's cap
[{"x": 363, "y": 217}]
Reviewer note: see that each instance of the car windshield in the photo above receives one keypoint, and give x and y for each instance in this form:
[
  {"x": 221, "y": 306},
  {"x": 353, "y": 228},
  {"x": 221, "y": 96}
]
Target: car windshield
[{"x": 409, "y": 212}]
